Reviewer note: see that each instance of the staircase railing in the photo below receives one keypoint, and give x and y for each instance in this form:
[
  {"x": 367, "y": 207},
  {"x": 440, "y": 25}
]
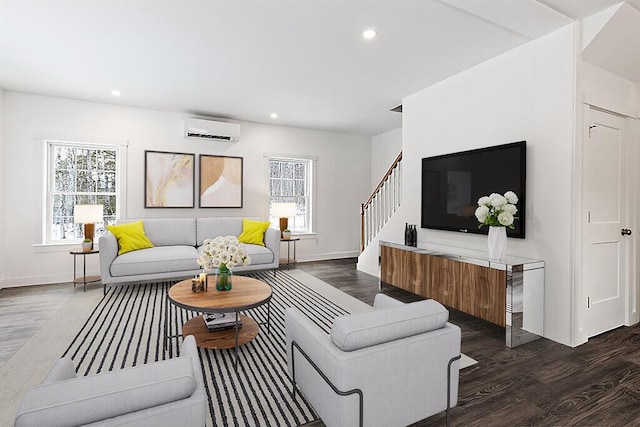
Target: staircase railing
[{"x": 382, "y": 203}]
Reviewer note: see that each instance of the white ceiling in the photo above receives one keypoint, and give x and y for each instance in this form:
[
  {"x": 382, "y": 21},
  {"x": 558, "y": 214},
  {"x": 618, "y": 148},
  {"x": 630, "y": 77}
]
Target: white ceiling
[{"x": 243, "y": 59}]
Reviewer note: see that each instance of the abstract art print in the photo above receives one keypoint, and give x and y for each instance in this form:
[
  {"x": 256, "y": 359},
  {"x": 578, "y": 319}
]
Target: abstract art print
[
  {"x": 220, "y": 182},
  {"x": 169, "y": 179}
]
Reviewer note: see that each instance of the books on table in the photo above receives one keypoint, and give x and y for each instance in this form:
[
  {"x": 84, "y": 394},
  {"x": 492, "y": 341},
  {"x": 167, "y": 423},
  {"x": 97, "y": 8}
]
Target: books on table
[{"x": 220, "y": 321}]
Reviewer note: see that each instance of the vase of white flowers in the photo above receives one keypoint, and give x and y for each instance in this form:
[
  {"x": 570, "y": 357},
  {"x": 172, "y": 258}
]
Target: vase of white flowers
[
  {"x": 497, "y": 212},
  {"x": 221, "y": 255}
]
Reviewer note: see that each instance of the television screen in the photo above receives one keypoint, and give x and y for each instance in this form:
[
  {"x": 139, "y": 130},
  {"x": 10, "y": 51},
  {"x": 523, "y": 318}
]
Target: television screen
[{"x": 453, "y": 183}]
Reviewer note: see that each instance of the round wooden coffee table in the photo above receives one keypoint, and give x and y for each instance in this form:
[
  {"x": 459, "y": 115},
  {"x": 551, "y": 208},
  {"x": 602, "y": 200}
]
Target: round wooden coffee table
[{"x": 246, "y": 293}]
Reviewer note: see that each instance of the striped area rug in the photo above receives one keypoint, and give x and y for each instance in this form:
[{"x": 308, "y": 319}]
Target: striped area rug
[{"x": 127, "y": 328}]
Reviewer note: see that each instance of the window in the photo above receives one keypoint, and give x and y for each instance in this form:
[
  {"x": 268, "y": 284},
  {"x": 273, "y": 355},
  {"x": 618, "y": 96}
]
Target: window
[
  {"x": 290, "y": 181},
  {"x": 79, "y": 174}
]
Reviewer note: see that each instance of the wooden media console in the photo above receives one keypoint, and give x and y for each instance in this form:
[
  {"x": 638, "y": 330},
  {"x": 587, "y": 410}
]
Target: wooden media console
[{"x": 508, "y": 293}]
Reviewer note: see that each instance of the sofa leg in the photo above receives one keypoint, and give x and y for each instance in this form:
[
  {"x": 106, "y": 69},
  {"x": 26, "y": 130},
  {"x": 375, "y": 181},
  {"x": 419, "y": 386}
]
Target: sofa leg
[{"x": 458, "y": 357}]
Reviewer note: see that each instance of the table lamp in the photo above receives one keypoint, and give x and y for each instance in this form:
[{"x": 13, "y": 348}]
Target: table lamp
[
  {"x": 284, "y": 211},
  {"x": 88, "y": 215}
]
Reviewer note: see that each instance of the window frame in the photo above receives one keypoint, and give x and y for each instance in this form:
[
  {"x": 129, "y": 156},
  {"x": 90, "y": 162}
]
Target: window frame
[
  {"x": 50, "y": 148},
  {"x": 311, "y": 189}
]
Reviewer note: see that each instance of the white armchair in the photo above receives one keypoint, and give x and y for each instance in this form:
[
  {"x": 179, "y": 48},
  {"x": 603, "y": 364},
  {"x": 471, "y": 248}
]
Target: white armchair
[
  {"x": 393, "y": 366},
  {"x": 166, "y": 393}
]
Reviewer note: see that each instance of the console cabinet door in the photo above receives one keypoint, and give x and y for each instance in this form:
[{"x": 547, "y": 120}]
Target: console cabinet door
[
  {"x": 445, "y": 277},
  {"x": 484, "y": 293},
  {"x": 391, "y": 265},
  {"x": 414, "y": 270}
]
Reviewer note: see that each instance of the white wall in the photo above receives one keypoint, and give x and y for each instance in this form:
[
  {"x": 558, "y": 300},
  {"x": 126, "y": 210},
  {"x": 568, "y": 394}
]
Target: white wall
[
  {"x": 342, "y": 176},
  {"x": 524, "y": 94},
  {"x": 385, "y": 147},
  {"x": 607, "y": 90}
]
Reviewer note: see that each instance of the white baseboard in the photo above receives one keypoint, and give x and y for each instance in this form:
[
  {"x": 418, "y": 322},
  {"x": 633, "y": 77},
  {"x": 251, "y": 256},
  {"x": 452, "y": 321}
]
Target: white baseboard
[
  {"x": 326, "y": 256},
  {"x": 41, "y": 279}
]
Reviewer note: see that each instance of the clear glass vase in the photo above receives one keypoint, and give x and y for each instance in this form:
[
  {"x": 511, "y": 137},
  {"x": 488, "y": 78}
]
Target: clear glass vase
[{"x": 224, "y": 278}]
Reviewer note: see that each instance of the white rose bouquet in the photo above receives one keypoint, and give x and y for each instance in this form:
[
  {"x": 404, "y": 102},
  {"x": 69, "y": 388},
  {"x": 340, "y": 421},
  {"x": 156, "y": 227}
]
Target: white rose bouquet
[
  {"x": 223, "y": 253},
  {"x": 496, "y": 210}
]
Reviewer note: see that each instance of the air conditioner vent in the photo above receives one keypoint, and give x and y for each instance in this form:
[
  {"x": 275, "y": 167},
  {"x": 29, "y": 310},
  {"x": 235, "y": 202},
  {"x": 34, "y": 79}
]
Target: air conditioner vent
[
  {"x": 212, "y": 130},
  {"x": 207, "y": 136}
]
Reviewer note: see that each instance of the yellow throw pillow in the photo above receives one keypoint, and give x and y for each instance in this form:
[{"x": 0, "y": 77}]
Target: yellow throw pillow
[
  {"x": 253, "y": 231},
  {"x": 130, "y": 237}
]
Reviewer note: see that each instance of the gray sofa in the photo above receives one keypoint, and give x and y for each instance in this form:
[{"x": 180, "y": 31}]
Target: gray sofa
[
  {"x": 393, "y": 366},
  {"x": 176, "y": 242},
  {"x": 165, "y": 393}
]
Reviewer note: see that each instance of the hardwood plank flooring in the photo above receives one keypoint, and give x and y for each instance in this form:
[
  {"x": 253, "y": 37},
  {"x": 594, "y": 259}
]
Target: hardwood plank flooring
[
  {"x": 539, "y": 383},
  {"x": 23, "y": 311}
]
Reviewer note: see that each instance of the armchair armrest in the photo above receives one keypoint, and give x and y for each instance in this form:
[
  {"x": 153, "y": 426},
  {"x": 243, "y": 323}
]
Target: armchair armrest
[
  {"x": 385, "y": 301},
  {"x": 62, "y": 370},
  {"x": 85, "y": 400}
]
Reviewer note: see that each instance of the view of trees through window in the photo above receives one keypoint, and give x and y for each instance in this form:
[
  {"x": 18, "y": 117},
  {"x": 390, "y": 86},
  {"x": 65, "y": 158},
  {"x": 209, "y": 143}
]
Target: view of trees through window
[
  {"x": 290, "y": 182},
  {"x": 80, "y": 174}
]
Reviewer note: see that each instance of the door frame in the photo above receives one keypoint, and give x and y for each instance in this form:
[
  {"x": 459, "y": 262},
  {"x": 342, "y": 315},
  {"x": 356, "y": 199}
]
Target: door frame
[{"x": 579, "y": 305}]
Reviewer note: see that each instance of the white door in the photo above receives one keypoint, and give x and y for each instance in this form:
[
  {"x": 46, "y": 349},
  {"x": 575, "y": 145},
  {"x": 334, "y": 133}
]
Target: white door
[{"x": 604, "y": 245}]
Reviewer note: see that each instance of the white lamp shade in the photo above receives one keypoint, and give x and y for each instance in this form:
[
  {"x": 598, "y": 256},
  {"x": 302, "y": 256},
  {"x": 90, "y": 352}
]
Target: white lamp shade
[
  {"x": 283, "y": 210},
  {"x": 87, "y": 214}
]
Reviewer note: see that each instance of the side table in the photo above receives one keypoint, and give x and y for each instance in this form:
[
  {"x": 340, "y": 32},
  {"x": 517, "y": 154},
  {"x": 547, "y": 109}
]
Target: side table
[
  {"x": 289, "y": 260},
  {"x": 84, "y": 279}
]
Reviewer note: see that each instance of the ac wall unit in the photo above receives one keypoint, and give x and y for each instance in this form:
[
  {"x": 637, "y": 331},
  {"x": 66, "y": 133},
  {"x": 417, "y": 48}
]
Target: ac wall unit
[{"x": 211, "y": 130}]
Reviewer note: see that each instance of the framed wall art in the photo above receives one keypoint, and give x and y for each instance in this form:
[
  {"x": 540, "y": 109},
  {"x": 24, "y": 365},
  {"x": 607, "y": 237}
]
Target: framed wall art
[
  {"x": 220, "y": 181},
  {"x": 169, "y": 179}
]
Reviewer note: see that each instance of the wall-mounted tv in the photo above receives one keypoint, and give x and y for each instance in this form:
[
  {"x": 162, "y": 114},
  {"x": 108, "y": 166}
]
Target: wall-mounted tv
[{"x": 453, "y": 183}]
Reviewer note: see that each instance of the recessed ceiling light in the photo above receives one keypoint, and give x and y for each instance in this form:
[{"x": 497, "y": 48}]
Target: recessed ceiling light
[
  {"x": 369, "y": 34},
  {"x": 115, "y": 92},
  {"x": 273, "y": 115}
]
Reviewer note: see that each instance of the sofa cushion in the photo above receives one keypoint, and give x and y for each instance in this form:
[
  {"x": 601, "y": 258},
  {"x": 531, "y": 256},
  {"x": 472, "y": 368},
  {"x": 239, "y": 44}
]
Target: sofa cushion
[
  {"x": 169, "y": 231},
  {"x": 210, "y": 228},
  {"x": 85, "y": 400},
  {"x": 161, "y": 259},
  {"x": 253, "y": 231},
  {"x": 130, "y": 237},
  {"x": 387, "y": 324},
  {"x": 259, "y": 254}
]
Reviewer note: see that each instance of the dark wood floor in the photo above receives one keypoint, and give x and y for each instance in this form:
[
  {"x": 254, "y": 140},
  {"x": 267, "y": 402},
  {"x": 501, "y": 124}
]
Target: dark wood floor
[{"x": 540, "y": 383}]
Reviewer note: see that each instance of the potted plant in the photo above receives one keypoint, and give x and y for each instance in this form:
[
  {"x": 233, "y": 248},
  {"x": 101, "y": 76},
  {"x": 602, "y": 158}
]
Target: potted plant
[
  {"x": 286, "y": 234},
  {"x": 87, "y": 245}
]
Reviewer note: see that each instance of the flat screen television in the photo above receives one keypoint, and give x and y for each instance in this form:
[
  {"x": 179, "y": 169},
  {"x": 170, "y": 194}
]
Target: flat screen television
[{"x": 453, "y": 183}]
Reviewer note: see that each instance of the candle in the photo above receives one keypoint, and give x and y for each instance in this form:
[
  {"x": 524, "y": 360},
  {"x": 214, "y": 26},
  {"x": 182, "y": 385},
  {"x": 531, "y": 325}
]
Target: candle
[{"x": 203, "y": 278}]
